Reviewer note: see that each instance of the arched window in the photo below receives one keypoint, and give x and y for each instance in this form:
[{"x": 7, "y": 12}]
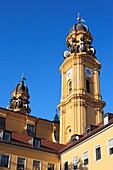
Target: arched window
[
  {"x": 88, "y": 86},
  {"x": 70, "y": 87}
]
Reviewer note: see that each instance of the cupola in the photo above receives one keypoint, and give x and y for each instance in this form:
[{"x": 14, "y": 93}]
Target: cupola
[
  {"x": 79, "y": 40},
  {"x": 19, "y": 101}
]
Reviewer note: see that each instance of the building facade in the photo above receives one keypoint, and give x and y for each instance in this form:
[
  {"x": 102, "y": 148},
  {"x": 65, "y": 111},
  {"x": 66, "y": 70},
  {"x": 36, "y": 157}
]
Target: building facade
[{"x": 83, "y": 139}]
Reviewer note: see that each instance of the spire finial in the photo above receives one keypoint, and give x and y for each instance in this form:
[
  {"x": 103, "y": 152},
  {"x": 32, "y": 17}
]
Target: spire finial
[
  {"x": 23, "y": 78},
  {"x": 79, "y": 19}
]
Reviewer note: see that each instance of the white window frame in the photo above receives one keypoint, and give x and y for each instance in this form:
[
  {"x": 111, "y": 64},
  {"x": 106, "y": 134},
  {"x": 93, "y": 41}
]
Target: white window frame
[
  {"x": 38, "y": 161},
  {"x": 109, "y": 147},
  {"x": 85, "y": 158},
  {"x": 106, "y": 120},
  {"x": 98, "y": 146},
  {"x": 76, "y": 163},
  {"x": 24, "y": 163},
  {"x": 9, "y": 163}
]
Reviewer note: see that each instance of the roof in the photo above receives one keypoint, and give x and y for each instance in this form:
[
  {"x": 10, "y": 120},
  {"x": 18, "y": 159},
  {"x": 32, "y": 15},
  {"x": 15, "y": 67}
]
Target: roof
[
  {"x": 52, "y": 145},
  {"x": 86, "y": 136},
  {"x": 28, "y": 141}
]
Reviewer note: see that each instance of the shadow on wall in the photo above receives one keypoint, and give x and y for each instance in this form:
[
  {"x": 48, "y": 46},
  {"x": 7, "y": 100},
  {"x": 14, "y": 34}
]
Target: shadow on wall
[{"x": 80, "y": 166}]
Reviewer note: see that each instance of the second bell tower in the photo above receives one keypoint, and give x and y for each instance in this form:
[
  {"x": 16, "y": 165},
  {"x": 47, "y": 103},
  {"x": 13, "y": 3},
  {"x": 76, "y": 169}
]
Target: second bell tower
[{"x": 81, "y": 102}]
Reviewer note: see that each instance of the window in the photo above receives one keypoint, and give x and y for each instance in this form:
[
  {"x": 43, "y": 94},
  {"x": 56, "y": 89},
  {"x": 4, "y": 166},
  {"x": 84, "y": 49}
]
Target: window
[
  {"x": 70, "y": 87},
  {"x": 88, "y": 130},
  {"x": 36, "y": 143},
  {"x": 85, "y": 157},
  {"x": 36, "y": 165},
  {"x": 51, "y": 166},
  {"x": 30, "y": 130},
  {"x": 88, "y": 86},
  {"x": 75, "y": 163},
  {"x": 110, "y": 146},
  {"x": 4, "y": 161},
  {"x": 98, "y": 153},
  {"x": 7, "y": 136},
  {"x": 2, "y": 123},
  {"x": 21, "y": 164},
  {"x": 106, "y": 120},
  {"x": 66, "y": 165}
]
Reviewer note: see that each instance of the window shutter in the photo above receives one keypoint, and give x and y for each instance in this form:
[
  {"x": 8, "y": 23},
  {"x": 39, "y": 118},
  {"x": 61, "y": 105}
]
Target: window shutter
[
  {"x": 110, "y": 143},
  {"x": 85, "y": 155}
]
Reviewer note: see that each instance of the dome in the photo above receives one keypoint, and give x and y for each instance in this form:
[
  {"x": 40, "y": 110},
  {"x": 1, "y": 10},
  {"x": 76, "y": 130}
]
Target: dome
[
  {"x": 79, "y": 25},
  {"x": 22, "y": 86}
]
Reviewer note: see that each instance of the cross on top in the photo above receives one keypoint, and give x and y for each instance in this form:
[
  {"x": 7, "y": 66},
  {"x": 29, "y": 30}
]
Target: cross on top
[{"x": 80, "y": 19}]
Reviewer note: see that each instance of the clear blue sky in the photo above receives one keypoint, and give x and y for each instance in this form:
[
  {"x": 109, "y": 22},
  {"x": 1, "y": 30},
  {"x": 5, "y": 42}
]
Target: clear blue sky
[{"x": 32, "y": 40}]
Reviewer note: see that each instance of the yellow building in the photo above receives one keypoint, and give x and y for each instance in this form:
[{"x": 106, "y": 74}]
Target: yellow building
[{"x": 83, "y": 140}]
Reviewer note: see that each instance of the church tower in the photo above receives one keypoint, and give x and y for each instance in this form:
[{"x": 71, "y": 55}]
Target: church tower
[
  {"x": 81, "y": 102},
  {"x": 19, "y": 101}
]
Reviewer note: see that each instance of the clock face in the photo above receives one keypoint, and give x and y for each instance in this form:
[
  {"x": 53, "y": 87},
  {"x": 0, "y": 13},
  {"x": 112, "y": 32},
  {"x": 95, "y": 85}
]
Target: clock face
[
  {"x": 69, "y": 74},
  {"x": 88, "y": 72}
]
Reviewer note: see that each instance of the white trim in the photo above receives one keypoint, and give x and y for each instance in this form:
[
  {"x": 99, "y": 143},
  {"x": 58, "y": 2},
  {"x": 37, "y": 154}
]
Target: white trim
[
  {"x": 109, "y": 147},
  {"x": 9, "y": 163},
  {"x": 98, "y": 146},
  {"x": 38, "y": 161},
  {"x": 24, "y": 162},
  {"x": 86, "y": 158},
  {"x": 105, "y": 120},
  {"x": 76, "y": 162}
]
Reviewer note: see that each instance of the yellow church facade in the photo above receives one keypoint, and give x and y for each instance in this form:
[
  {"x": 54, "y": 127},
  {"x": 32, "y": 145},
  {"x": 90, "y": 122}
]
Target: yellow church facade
[{"x": 83, "y": 139}]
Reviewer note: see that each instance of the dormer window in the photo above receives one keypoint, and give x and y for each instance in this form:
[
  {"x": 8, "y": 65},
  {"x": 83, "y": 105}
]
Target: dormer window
[
  {"x": 37, "y": 143},
  {"x": 7, "y": 136},
  {"x": 106, "y": 120}
]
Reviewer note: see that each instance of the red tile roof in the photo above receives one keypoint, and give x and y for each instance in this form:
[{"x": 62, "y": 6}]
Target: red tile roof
[
  {"x": 21, "y": 138},
  {"x": 52, "y": 145},
  {"x": 24, "y": 140}
]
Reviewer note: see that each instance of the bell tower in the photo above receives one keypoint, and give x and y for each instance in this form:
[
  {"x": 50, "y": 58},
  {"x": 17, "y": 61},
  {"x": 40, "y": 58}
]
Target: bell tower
[{"x": 81, "y": 102}]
